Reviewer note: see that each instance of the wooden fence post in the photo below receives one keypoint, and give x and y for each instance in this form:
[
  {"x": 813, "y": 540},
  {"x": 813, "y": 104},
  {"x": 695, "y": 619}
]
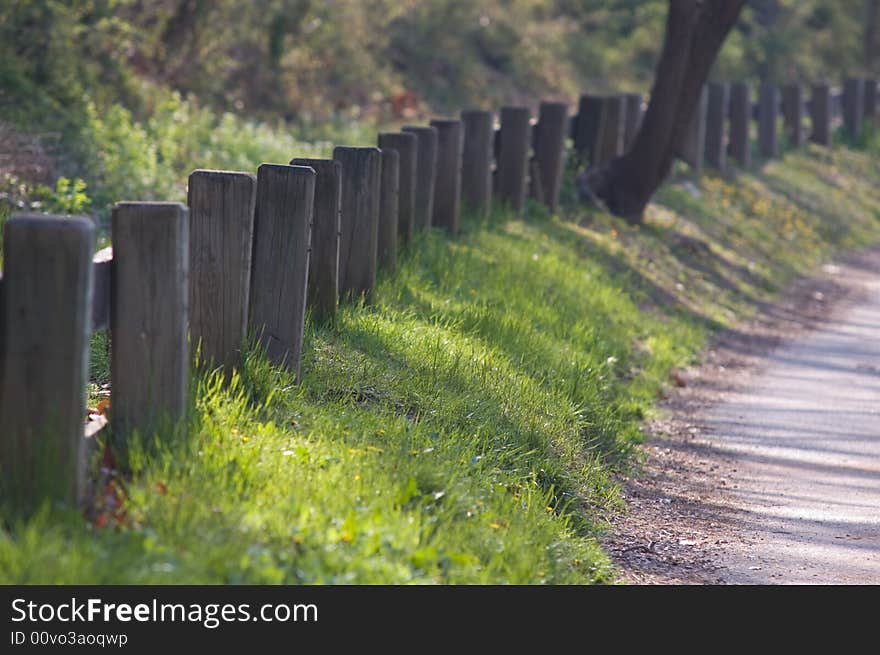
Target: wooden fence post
[
  {"x": 447, "y": 189},
  {"x": 793, "y": 113},
  {"x": 871, "y": 102},
  {"x": 406, "y": 145},
  {"x": 768, "y": 118},
  {"x": 513, "y": 156},
  {"x": 550, "y": 135},
  {"x": 389, "y": 199},
  {"x": 282, "y": 239},
  {"x": 476, "y": 162},
  {"x": 221, "y": 225},
  {"x": 693, "y": 146},
  {"x": 611, "y": 129},
  {"x": 323, "y": 287},
  {"x": 853, "y": 105},
  {"x": 820, "y": 115},
  {"x": 149, "y": 316},
  {"x": 359, "y": 245},
  {"x": 586, "y": 128},
  {"x": 47, "y": 311},
  {"x": 633, "y": 118},
  {"x": 716, "y": 124},
  {"x": 740, "y": 123},
  {"x": 426, "y": 174}
]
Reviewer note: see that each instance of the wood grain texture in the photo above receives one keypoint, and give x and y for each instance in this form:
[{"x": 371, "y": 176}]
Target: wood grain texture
[
  {"x": 549, "y": 137},
  {"x": 149, "y": 316},
  {"x": 279, "y": 278},
  {"x": 740, "y": 123},
  {"x": 102, "y": 263},
  {"x": 406, "y": 145},
  {"x": 515, "y": 139},
  {"x": 389, "y": 209},
  {"x": 476, "y": 161},
  {"x": 323, "y": 291},
  {"x": 693, "y": 147},
  {"x": 716, "y": 125},
  {"x": 611, "y": 129},
  {"x": 820, "y": 115},
  {"x": 221, "y": 225},
  {"x": 47, "y": 309},
  {"x": 447, "y": 188},
  {"x": 793, "y": 114},
  {"x": 426, "y": 173},
  {"x": 359, "y": 245},
  {"x": 768, "y": 119}
]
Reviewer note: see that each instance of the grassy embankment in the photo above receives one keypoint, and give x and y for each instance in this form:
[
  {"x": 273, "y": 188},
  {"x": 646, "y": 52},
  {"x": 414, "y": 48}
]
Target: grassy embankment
[{"x": 466, "y": 426}]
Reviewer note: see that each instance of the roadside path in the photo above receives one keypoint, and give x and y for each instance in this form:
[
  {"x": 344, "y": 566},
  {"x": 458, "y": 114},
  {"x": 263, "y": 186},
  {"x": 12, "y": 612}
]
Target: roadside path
[{"x": 768, "y": 470}]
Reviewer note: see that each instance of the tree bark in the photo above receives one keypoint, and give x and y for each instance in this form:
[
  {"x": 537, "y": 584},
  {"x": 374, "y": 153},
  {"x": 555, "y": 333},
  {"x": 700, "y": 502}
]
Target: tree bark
[{"x": 695, "y": 32}]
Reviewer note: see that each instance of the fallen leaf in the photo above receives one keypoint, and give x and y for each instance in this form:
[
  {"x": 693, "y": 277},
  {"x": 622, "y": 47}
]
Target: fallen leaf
[{"x": 103, "y": 406}]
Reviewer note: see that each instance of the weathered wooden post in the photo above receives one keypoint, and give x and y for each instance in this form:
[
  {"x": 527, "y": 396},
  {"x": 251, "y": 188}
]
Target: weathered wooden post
[
  {"x": 716, "y": 124},
  {"x": 47, "y": 311},
  {"x": 103, "y": 267},
  {"x": 740, "y": 123},
  {"x": 820, "y": 114},
  {"x": 550, "y": 134},
  {"x": 447, "y": 189},
  {"x": 768, "y": 118},
  {"x": 633, "y": 118},
  {"x": 513, "y": 157},
  {"x": 793, "y": 113},
  {"x": 871, "y": 102},
  {"x": 323, "y": 287},
  {"x": 693, "y": 146},
  {"x": 406, "y": 145},
  {"x": 389, "y": 198},
  {"x": 426, "y": 174},
  {"x": 359, "y": 245},
  {"x": 586, "y": 128},
  {"x": 221, "y": 224},
  {"x": 853, "y": 106},
  {"x": 149, "y": 316},
  {"x": 611, "y": 129},
  {"x": 282, "y": 238},
  {"x": 476, "y": 164}
]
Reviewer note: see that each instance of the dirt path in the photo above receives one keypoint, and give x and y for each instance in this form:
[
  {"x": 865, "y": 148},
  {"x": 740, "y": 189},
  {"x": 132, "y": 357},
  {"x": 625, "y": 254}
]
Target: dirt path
[{"x": 767, "y": 469}]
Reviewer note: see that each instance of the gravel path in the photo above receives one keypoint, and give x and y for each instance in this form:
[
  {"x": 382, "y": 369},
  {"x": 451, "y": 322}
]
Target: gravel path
[{"x": 768, "y": 468}]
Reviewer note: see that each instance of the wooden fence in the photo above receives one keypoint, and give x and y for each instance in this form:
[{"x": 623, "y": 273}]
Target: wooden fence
[{"x": 254, "y": 253}]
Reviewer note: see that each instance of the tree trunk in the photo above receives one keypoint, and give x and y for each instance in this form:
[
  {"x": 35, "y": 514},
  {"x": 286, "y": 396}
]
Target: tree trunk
[{"x": 695, "y": 32}]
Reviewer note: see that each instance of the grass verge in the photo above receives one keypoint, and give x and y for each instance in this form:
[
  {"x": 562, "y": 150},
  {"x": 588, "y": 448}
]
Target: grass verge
[{"x": 465, "y": 427}]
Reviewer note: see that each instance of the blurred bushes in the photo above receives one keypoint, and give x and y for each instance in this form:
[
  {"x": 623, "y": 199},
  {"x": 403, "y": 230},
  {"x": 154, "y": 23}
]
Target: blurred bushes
[{"x": 140, "y": 92}]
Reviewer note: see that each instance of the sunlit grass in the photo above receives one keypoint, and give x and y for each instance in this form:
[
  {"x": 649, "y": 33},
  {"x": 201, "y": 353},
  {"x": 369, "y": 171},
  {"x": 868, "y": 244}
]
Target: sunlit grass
[{"x": 466, "y": 426}]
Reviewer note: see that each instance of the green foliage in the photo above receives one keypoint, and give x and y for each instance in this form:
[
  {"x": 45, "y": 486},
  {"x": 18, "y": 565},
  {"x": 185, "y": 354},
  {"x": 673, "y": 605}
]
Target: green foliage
[
  {"x": 68, "y": 197},
  {"x": 142, "y": 93},
  {"x": 150, "y": 160},
  {"x": 465, "y": 426}
]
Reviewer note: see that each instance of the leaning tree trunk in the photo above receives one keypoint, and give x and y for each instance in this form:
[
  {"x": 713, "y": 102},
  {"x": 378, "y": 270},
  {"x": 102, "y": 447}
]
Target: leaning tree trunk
[{"x": 695, "y": 32}]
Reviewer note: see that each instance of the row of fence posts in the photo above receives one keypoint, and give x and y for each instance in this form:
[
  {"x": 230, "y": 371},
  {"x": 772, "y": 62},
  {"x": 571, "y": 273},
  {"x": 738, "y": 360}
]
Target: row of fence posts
[
  {"x": 255, "y": 253},
  {"x": 721, "y": 126}
]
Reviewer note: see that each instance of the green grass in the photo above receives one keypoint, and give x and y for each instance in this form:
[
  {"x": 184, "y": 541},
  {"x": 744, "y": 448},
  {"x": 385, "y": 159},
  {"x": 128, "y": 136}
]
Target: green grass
[{"x": 466, "y": 426}]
